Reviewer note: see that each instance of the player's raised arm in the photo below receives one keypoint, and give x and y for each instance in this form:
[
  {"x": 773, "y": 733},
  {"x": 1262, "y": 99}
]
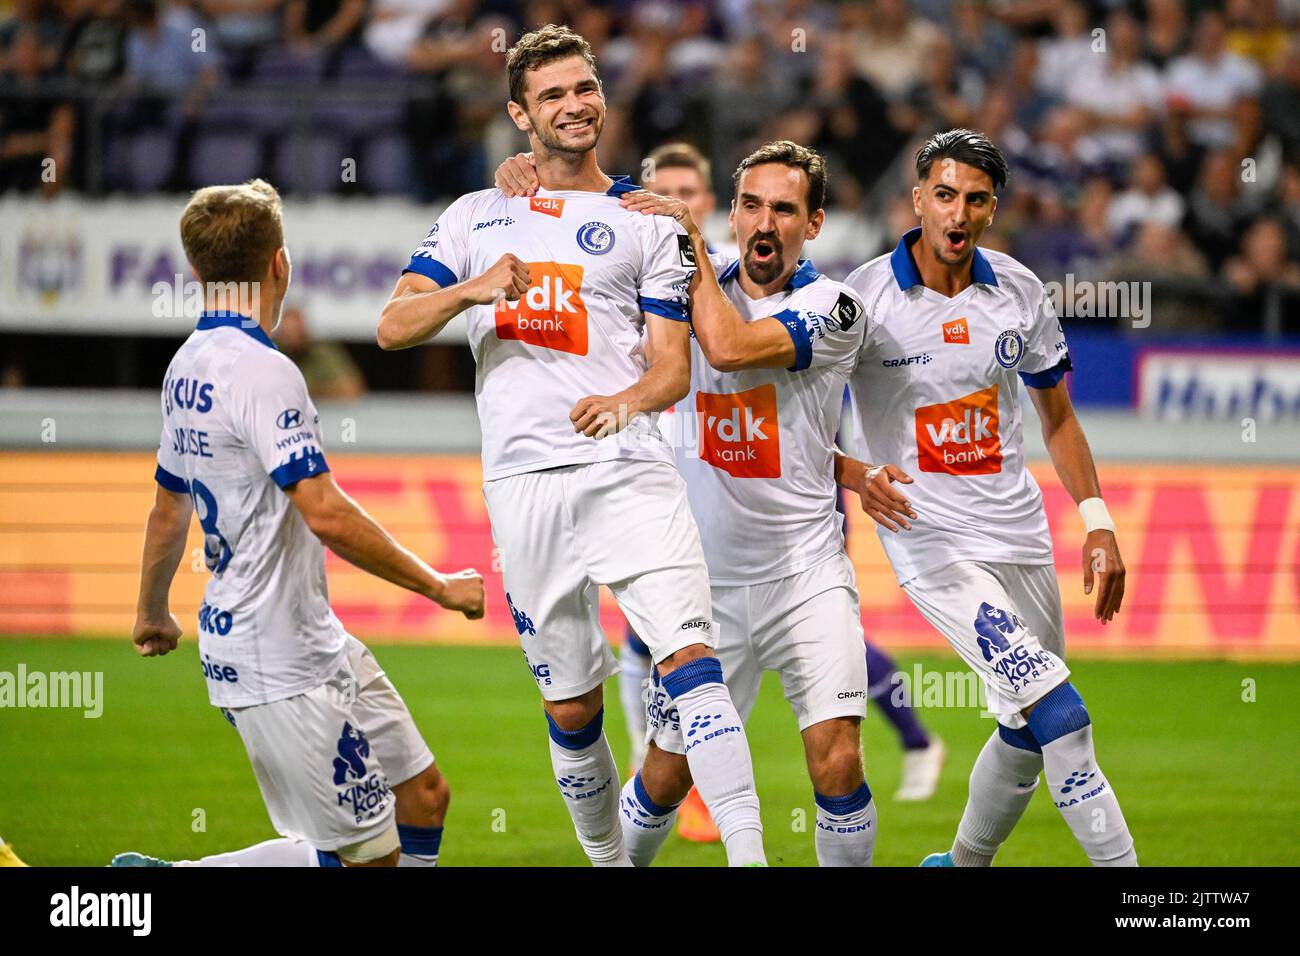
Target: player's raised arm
[
  {"x": 419, "y": 307},
  {"x": 726, "y": 339},
  {"x": 435, "y": 286},
  {"x": 156, "y": 630},
  {"x": 345, "y": 528}
]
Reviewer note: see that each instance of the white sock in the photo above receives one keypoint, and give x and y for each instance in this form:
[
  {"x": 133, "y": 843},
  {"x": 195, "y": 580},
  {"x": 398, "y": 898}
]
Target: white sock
[
  {"x": 585, "y": 771},
  {"x": 633, "y": 672},
  {"x": 281, "y": 852},
  {"x": 646, "y": 824},
  {"x": 718, "y": 753},
  {"x": 420, "y": 845},
  {"x": 846, "y": 828},
  {"x": 1002, "y": 783},
  {"x": 1078, "y": 787}
]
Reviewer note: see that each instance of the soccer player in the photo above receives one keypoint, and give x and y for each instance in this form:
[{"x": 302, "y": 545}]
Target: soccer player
[
  {"x": 775, "y": 343},
  {"x": 576, "y": 317},
  {"x": 952, "y": 334},
  {"x": 346, "y": 777}
]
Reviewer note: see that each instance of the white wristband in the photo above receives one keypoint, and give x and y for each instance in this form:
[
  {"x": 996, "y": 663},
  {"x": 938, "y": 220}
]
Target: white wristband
[{"x": 1095, "y": 516}]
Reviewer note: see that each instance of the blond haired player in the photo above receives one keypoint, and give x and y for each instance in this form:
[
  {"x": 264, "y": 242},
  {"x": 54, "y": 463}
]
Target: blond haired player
[{"x": 346, "y": 777}]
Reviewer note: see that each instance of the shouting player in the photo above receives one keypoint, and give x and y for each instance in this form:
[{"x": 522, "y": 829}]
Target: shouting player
[
  {"x": 345, "y": 775},
  {"x": 577, "y": 321},
  {"x": 951, "y": 335},
  {"x": 755, "y": 440}
]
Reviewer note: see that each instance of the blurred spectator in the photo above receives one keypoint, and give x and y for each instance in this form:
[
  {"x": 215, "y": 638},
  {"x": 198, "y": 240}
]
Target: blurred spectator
[
  {"x": 1181, "y": 157},
  {"x": 942, "y": 98},
  {"x": 1216, "y": 209},
  {"x": 1118, "y": 92},
  {"x": 1208, "y": 83},
  {"x": 326, "y": 366},
  {"x": 394, "y": 27},
  {"x": 322, "y": 27},
  {"x": 983, "y": 43},
  {"x": 159, "y": 48},
  {"x": 1181, "y": 297},
  {"x": 243, "y": 28},
  {"x": 1063, "y": 159},
  {"x": 890, "y": 45},
  {"x": 1281, "y": 98},
  {"x": 1265, "y": 284},
  {"x": 35, "y": 126},
  {"x": 1290, "y": 210},
  {"x": 96, "y": 43},
  {"x": 42, "y": 19},
  {"x": 1147, "y": 200},
  {"x": 848, "y": 122},
  {"x": 1067, "y": 51},
  {"x": 1032, "y": 100},
  {"x": 1166, "y": 31},
  {"x": 1254, "y": 31}
]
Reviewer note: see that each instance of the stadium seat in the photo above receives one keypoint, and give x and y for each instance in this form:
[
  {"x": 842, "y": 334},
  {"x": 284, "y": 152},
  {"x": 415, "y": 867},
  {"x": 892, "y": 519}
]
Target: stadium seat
[
  {"x": 224, "y": 157},
  {"x": 279, "y": 65},
  {"x": 139, "y": 162},
  {"x": 310, "y": 164},
  {"x": 351, "y": 118},
  {"x": 385, "y": 165},
  {"x": 356, "y": 63}
]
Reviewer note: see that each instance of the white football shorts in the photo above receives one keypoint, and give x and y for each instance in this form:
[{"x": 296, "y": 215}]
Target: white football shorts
[
  {"x": 562, "y": 532},
  {"x": 1006, "y": 623},
  {"x": 325, "y": 760},
  {"x": 807, "y": 627}
]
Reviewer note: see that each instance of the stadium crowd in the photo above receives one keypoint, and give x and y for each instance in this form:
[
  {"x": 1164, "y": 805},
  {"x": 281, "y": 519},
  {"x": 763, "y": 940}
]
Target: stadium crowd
[{"x": 1158, "y": 139}]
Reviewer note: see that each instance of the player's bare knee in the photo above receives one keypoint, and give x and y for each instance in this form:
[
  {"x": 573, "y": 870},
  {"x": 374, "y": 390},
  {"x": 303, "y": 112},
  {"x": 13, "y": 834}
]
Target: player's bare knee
[
  {"x": 666, "y": 776},
  {"x": 423, "y": 800},
  {"x": 835, "y": 757},
  {"x": 576, "y": 712},
  {"x": 685, "y": 655}
]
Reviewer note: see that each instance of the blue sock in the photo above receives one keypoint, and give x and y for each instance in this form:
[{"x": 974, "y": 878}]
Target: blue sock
[{"x": 420, "y": 845}]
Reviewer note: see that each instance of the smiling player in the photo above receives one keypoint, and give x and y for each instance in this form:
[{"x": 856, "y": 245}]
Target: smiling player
[
  {"x": 952, "y": 335},
  {"x": 577, "y": 321}
]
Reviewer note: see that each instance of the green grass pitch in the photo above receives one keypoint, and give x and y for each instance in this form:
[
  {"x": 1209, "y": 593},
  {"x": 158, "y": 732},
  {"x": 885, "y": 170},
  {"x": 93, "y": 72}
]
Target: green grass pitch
[{"x": 1205, "y": 778}]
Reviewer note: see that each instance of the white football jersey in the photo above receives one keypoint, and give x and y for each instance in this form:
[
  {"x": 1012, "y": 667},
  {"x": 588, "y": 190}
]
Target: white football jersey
[
  {"x": 577, "y": 331},
  {"x": 756, "y": 447},
  {"x": 239, "y": 426},
  {"x": 937, "y": 393}
]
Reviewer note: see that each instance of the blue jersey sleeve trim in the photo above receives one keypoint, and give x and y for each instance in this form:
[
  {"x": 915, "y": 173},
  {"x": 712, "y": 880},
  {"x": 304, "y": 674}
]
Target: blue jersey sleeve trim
[
  {"x": 432, "y": 269},
  {"x": 799, "y": 335},
  {"x": 663, "y": 307},
  {"x": 1048, "y": 377},
  {"x": 171, "y": 482},
  {"x": 298, "y": 468}
]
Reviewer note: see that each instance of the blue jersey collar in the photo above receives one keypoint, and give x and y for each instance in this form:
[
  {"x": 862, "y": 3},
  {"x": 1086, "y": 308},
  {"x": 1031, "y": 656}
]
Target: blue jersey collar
[
  {"x": 907, "y": 275},
  {"x": 622, "y": 184},
  {"x": 804, "y": 274},
  {"x": 217, "y": 320}
]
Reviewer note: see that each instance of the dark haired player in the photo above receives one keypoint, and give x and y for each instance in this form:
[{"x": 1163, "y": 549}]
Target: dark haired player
[
  {"x": 952, "y": 335},
  {"x": 577, "y": 321}
]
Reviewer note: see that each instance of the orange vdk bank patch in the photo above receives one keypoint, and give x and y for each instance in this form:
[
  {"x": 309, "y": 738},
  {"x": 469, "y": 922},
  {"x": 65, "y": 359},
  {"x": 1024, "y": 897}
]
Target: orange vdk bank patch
[
  {"x": 957, "y": 332},
  {"x": 547, "y": 205},
  {"x": 960, "y": 437},
  {"x": 739, "y": 432},
  {"x": 551, "y": 313}
]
